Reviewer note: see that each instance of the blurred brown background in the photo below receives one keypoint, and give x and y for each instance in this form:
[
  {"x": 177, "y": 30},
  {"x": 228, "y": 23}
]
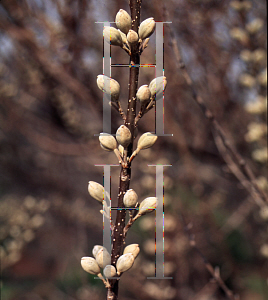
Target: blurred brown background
[{"x": 50, "y": 109}]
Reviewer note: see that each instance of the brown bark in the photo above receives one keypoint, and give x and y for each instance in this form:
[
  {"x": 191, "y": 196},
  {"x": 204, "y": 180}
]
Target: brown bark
[{"x": 125, "y": 174}]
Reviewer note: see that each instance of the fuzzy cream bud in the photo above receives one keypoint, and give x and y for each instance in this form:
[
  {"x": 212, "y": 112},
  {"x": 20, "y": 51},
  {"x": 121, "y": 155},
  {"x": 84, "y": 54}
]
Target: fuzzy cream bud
[
  {"x": 112, "y": 36},
  {"x": 103, "y": 258},
  {"x": 146, "y": 28},
  {"x": 121, "y": 150},
  {"x": 132, "y": 37},
  {"x": 157, "y": 86},
  {"x": 109, "y": 86},
  {"x": 90, "y": 265},
  {"x": 146, "y": 140},
  {"x": 130, "y": 198},
  {"x": 124, "y": 263},
  {"x": 147, "y": 205},
  {"x": 123, "y": 136},
  {"x": 96, "y": 190},
  {"x": 133, "y": 249},
  {"x": 143, "y": 94},
  {"x": 109, "y": 271},
  {"x": 107, "y": 141},
  {"x": 123, "y": 21},
  {"x": 123, "y": 36},
  {"x": 96, "y": 249}
]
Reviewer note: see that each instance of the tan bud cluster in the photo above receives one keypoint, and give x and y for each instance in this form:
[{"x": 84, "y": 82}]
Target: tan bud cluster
[
  {"x": 123, "y": 21},
  {"x": 90, "y": 265},
  {"x": 112, "y": 36},
  {"x": 109, "y": 271},
  {"x": 158, "y": 85},
  {"x": 123, "y": 136},
  {"x": 109, "y": 86},
  {"x": 132, "y": 37},
  {"x": 130, "y": 198},
  {"x": 124, "y": 263},
  {"x": 107, "y": 141},
  {"x": 146, "y": 28},
  {"x": 143, "y": 94},
  {"x": 133, "y": 249},
  {"x": 96, "y": 190}
]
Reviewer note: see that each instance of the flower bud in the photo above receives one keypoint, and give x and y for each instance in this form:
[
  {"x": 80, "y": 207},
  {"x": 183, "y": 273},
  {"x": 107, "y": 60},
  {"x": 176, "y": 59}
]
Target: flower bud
[
  {"x": 123, "y": 136},
  {"x": 130, "y": 198},
  {"x": 121, "y": 150},
  {"x": 96, "y": 190},
  {"x": 109, "y": 271},
  {"x": 255, "y": 26},
  {"x": 109, "y": 86},
  {"x": 132, "y": 37},
  {"x": 89, "y": 264},
  {"x": 247, "y": 80},
  {"x": 133, "y": 249},
  {"x": 240, "y": 35},
  {"x": 107, "y": 141},
  {"x": 157, "y": 86},
  {"x": 148, "y": 205},
  {"x": 143, "y": 94},
  {"x": 123, "y": 36},
  {"x": 96, "y": 249},
  {"x": 241, "y": 5},
  {"x": 112, "y": 36},
  {"x": 103, "y": 258},
  {"x": 146, "y": 140},
  {"x": 123, "y": 21},
  {"x": 146, "y": 28},
  {"x": 124, "y": 263}
]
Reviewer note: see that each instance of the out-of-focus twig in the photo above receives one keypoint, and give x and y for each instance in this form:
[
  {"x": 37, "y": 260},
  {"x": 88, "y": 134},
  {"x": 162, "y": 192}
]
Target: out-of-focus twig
[
  {"x": 244, "y": 170},
  {"x": 27, "y": 39},
  {"x": 245, "y": 182},
  {"x": 215, "y": 272}
]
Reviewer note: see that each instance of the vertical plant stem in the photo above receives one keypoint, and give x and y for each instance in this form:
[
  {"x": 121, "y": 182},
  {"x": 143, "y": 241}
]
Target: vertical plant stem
[{"x": 125, "y": 174}]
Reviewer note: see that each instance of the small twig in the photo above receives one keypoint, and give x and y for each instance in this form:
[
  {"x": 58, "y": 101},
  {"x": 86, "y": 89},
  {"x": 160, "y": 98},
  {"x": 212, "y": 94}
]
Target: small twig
[
  {"x": 125, "y": 47},
  {"x": 118, "y": 155},
  {"x": 237, "y": 171},
  {"x": 143, "y": 45},
  {"x": 239, "y": 216},
  {"x": 130, "y": 221},
  {"x": 106, "y": 282},
  {"x": 215, "y": 272},
  {"x": 144, "y": 110},
  {"x": 121, "y": 111},
  {"x": 117, "y": 105}
]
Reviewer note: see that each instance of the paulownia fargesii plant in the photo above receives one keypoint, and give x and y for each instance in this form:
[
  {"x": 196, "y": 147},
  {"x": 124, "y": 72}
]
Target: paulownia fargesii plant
[{"x": 133, "y": 38}]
